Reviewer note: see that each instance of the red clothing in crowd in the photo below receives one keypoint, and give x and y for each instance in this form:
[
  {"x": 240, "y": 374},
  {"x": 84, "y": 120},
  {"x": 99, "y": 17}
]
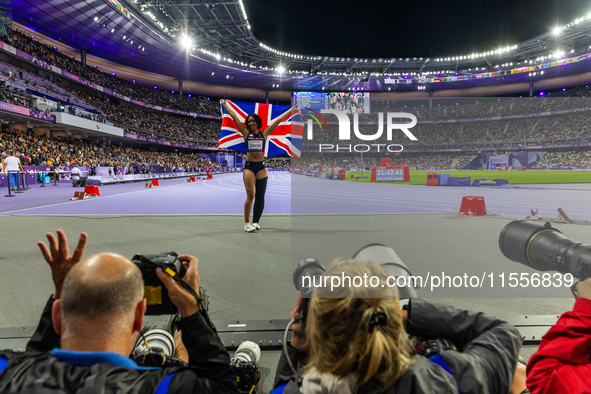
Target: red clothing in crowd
[{"x": 561, "y": 364}]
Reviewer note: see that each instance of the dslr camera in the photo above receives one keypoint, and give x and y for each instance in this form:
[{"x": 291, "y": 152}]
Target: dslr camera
[{"x": 154, "y": 291}]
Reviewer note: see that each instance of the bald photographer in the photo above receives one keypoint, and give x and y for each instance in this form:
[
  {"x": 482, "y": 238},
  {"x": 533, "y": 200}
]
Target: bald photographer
[{"x": 89, "y": 328}]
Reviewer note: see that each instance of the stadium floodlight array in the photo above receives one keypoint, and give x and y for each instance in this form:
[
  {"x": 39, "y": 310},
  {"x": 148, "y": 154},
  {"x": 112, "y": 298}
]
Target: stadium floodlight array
[
  {"x": 509, "y": 52},
  {"x": 244, "y": 14},
  {"x": 259, "y": 57}
]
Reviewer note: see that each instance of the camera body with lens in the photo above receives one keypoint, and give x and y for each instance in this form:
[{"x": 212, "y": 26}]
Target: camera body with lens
[{"x": 155, "y": 292}]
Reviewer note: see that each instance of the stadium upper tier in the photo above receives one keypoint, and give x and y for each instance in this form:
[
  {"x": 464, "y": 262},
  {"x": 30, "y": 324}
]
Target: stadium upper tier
[
  {"x": 483, "y": 123},
  {"x": 45, "y": 55},
  {"x": 219, "y": 49}
]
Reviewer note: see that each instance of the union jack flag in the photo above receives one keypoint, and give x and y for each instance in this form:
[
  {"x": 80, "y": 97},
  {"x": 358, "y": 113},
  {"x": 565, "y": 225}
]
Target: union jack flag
[{"x": 286, "y": 139}]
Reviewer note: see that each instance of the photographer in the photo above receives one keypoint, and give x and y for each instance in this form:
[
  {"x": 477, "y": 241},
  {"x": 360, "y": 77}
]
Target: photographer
[
  {"x": 356, "y": 341},
  {"x": 97, "y": 311},
  {"x": 561, "y": 364}
]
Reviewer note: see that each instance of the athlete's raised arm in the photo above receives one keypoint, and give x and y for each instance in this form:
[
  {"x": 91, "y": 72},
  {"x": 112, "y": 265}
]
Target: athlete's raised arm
[{"x": 239, "y": 124}]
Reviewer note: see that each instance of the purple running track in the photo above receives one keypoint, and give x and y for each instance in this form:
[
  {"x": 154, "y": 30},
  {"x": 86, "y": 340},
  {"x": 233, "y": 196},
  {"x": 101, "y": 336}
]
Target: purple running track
[{"x": 297, "y": 194}]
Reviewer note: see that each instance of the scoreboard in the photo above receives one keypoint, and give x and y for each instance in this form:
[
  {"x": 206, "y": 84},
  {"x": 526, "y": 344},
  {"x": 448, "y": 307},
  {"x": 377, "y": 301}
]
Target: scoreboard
[
  {"x": 348, "y": 102},
  {"x": 314, "y": 100},
  {"x": 390, "y": 174}
]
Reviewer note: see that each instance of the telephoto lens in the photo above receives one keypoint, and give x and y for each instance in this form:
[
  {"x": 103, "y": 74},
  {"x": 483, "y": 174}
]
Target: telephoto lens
[
  {"x": 545, "y": 248},
  {"x": 389, "y": 260},
  {"x": 244, "y": 362},
  {"x": 153, "y": 347},
  {"x": 308, "y": 268},
  {"x": 303, "y": 279},
  {"x": 248, "y": 351}
]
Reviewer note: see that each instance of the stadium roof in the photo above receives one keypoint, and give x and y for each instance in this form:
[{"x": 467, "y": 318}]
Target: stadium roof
[{"x": 211, "y": 42}]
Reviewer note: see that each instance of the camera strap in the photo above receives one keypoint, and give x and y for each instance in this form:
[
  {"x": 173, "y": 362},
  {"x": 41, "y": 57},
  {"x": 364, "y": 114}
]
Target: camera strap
[
  {"x": 574, "y": 290},
  {"x": 199, "y": 299}
]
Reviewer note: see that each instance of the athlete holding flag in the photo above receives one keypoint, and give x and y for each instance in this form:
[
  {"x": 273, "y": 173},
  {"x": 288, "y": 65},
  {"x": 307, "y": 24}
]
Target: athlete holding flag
[{"x": 255, "y": 172}]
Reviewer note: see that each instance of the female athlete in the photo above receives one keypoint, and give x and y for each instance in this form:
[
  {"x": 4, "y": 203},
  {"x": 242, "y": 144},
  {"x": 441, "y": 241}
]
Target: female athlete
[{"x": 255, "y": 171}]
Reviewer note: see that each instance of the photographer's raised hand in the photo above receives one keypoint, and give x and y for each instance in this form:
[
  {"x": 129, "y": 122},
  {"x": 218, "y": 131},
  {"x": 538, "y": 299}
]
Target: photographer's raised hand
[
  {"x": 59, "y": 259},
  {"x": 179, "y": 296}
]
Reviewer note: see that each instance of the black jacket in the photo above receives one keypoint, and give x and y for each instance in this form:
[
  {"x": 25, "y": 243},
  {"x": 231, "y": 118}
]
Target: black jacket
[
  {"x": 485, "y": 362},
  {"x": 37, "y": 370}
]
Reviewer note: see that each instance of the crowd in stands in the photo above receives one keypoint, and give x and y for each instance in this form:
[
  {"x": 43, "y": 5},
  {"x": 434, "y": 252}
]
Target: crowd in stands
[
  {"x": 165, "y": 124},
  {"x": 498, "y": 132},
  {"x": 22, "y": 80},
  {"x": 414, "y": 161},
  {"x": 171, "y": 128},
  {"x": 122, "y": 87},
  {"x": 278, "y": 162},
  {"x": 13, "y": 96},
  {"x": 504, "y": 107},
  {"x": 548, "y": 131},
  {"x": 60, "y": 151},
  {"x": 196, "y": 132},
  {"x": 437, "y": 161},
  {"x": 487, "y": 108},
  {"x": 566, "y": 159}
]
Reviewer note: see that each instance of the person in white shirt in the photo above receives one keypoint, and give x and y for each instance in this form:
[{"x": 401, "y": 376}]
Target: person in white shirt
[
  {"x": 12, "y": 164},
  {"x": 75, "y": 174}
]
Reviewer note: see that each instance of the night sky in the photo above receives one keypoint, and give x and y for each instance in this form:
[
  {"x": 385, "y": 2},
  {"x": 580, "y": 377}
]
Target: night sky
[{"x": 366, "y": 28}]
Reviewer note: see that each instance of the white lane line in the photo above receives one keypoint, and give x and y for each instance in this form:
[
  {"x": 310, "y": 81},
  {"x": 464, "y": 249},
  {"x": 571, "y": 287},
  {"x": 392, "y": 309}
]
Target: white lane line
[
  {"x": 152, "y": 214},
  {"x": 294, "y": 204},
  {"x": 102, "y": 198},
  {"x": 242, "y": 190}
]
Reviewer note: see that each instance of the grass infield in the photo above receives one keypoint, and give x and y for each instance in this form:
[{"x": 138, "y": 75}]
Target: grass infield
[{"x": 514, "y": 177}]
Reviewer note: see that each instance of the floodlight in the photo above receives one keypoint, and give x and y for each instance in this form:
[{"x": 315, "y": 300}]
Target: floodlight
[
  {"x": 280, "y": 69},
  {"x": 186, "y": 42},
  {"x": 557, "y": 30}
]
